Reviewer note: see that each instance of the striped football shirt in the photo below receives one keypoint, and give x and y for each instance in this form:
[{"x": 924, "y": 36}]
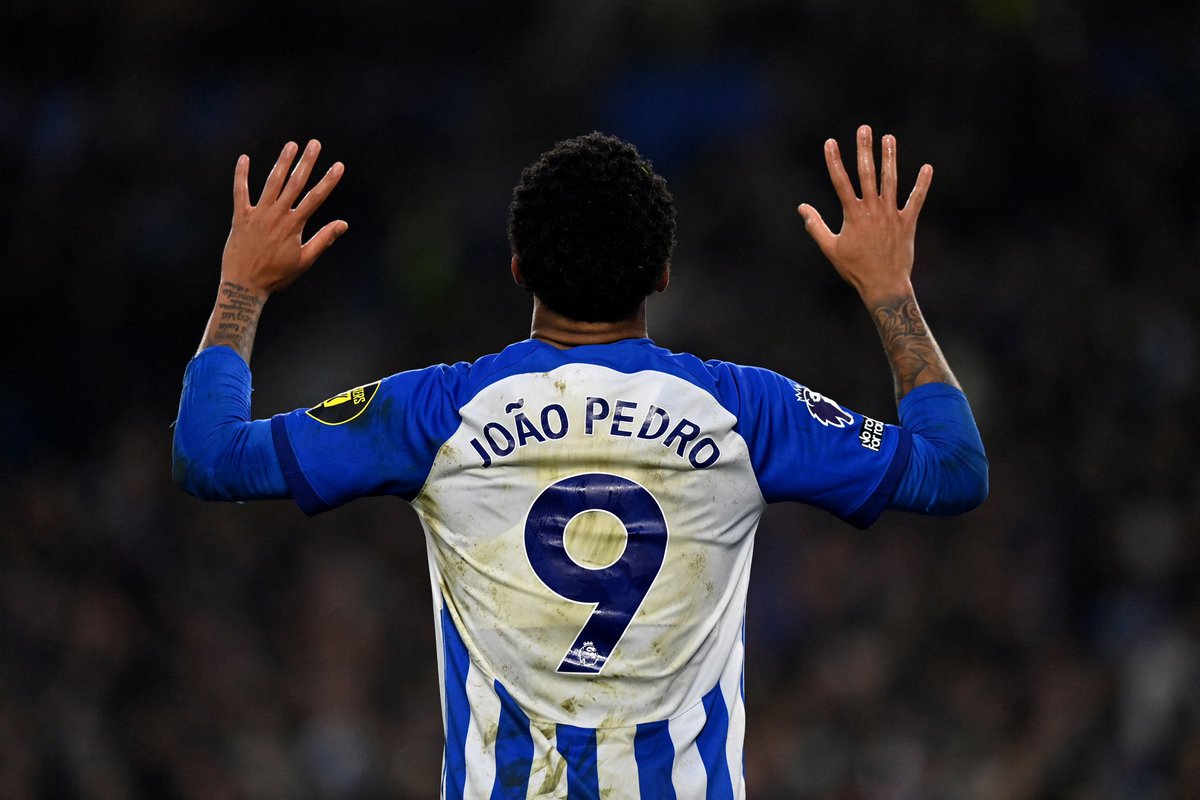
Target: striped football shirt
[{"x": 590, "y": 517}]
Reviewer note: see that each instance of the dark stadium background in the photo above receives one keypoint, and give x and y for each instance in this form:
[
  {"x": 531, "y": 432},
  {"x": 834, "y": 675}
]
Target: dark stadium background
[{"x": 1045, "y": 646}]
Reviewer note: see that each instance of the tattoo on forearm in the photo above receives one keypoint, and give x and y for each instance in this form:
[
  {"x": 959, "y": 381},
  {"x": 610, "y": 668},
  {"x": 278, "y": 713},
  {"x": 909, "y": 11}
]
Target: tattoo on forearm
[
  {"x": 235, "y": 319},
  {"x": 914, "y": 355}
]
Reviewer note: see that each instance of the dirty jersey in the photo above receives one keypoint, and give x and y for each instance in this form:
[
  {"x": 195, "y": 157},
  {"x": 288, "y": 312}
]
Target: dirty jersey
[{"x": 590, "y": 517}]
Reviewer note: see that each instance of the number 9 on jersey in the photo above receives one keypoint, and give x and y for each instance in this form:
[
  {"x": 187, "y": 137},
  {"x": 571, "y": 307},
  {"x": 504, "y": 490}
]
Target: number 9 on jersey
[{"x": 618, "y": 589}]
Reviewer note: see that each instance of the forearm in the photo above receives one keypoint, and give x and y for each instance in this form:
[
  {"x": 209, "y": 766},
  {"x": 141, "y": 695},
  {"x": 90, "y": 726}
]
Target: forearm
[
  {"x": 947, "y": 470},
  {"x": 912, "y": 352},
  {"x": 218, "y": 453},
  {"x": 234, "y": 319}
]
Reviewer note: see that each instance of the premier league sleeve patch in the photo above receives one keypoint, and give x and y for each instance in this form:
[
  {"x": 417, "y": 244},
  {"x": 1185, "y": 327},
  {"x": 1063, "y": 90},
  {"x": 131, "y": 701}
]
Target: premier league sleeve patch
[
  {"x": 344, "y": 407},
  {"x": 822, "y": 409}
]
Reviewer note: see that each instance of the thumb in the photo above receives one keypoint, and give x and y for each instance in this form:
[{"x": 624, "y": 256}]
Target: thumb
[
  {"x": 816, "y": 227},
  {"x": 321, "y": 241}
]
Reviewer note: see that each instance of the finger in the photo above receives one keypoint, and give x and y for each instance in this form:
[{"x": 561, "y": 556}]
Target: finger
[
  {"x": 241, "y": 184},
  {"x": 274, "y": 183},
  {"x": 888, "y": 178},
  {"x": 837, "y": 174},
  {"x": 299, "y": 176},
  {"x": 866, "y": 164},
  {"x": 312, "y": 201},
  {"x": 816, "y": 227},
  {"x": 321, "y": 241},
  {"x": 917, "y": 198}
]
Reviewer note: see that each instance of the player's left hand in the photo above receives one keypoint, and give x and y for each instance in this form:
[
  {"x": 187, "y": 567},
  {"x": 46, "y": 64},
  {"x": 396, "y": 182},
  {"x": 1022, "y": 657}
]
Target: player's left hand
[
  {"x": 265, "y": 251},
  {"x": 873, "y": 252}
]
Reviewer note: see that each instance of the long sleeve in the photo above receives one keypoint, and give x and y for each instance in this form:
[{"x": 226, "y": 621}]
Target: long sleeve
[
  {"x": 218, "y": 452},
  {"x": 947, "y": 470}
]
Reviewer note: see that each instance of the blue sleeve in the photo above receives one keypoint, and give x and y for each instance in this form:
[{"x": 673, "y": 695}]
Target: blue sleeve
[
  {"x": 217, "y": 452},
  {"x": 807, "y": 448},
  {"x": 377, "y": 439},
  {"x": 947, "y": 470}
]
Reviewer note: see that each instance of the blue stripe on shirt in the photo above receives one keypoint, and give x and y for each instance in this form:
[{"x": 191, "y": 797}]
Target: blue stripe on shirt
[
  {"x": 870, "y": 510},
  {"x": 711, "y": 744},
  {"x": 742, "y": 683},
  {"x": 578, "y": 748},
  {"x": 514, "y": 749},
  {"x": 305, "y": 495},
  {"x": 655, "y": 755},
  {"x": 458, "y": 709}
]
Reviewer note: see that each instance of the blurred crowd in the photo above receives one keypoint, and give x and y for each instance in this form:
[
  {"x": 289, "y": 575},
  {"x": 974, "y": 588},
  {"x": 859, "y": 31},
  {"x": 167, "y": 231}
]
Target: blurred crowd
[{"x": 1045, "y": 646}]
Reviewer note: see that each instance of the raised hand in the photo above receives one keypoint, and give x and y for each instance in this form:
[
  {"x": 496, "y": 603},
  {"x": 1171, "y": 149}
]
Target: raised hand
[
  {"x": 873, "y": 252},
  {"x": 265, "y": 251}
]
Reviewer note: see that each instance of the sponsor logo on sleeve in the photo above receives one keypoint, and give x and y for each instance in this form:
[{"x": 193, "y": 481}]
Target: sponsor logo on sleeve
[
  {"x": 870, "y": 435},
  {"x": 344, "y": 407},
  {"x": 822, "y": 409}
]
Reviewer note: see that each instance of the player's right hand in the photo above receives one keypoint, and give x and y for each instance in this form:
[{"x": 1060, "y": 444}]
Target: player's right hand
[
  {"x": 873, "y": 252},
  {"x": 265, "y": 251}
]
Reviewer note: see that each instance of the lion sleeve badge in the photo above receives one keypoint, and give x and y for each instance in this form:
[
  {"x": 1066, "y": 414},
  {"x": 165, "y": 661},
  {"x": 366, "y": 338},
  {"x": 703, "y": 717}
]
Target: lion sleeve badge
[{"x": 822, "y": 409}]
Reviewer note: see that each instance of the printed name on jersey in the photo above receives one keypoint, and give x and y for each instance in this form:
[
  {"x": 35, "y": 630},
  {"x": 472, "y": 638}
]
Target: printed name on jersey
[
  {"x": 822, "y": 409},
  {"x": 344, "y": 407},
  {"x": 870, "y": 435},
  {"x": 618, "y": 418}
]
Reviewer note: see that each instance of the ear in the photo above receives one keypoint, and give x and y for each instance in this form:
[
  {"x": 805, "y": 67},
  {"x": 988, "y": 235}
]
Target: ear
[
  {"x": 518, "y": 278},
  {"x": 663, "y": 282}
]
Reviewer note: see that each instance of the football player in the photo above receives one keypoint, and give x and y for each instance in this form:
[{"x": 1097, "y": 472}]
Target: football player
[{"x": 589, "y": 499}]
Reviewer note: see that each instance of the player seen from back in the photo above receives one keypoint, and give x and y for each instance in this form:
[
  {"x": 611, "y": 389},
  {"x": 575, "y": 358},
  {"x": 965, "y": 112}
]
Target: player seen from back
[{"x": 589, "y": 499}]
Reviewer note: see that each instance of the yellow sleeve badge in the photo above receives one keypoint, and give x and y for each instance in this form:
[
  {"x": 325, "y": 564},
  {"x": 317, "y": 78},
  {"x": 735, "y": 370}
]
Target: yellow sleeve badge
[{"x": 344, "y": 407}]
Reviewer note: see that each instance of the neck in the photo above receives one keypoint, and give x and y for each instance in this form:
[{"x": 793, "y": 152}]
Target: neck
[{"x": 563, "y": 332}]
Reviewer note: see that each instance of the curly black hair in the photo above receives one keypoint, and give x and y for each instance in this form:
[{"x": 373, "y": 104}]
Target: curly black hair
[{"x": 593, "y": 227}]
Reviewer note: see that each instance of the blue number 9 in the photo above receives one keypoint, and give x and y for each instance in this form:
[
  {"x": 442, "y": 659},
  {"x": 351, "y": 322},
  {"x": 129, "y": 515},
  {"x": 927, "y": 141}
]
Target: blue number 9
[{"x": 618, "y": 589}]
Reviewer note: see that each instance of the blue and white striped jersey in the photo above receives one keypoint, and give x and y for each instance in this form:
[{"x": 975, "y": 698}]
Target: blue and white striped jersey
[{"x": 590, "y": 517}]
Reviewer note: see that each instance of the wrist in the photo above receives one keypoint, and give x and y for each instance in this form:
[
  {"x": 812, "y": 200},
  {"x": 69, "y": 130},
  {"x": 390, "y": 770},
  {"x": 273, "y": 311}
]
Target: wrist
[
  {"x": 882, "y": 294},
  {"x": 243, "y": 287},
  {"x": 234, "y": 318}
]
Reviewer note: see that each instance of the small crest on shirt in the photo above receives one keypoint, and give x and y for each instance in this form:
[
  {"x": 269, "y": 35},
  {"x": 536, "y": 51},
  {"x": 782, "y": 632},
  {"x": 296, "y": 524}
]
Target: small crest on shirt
[
  {"x": 344, "y": 407},
  {"x": 588, "y": 655},
  {"x": 822, "y": 409}
]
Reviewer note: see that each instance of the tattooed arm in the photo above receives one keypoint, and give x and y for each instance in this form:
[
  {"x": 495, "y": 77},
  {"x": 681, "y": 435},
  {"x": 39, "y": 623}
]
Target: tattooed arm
[
  {"x": 218, "y": 452},
  {"x": 915, "y": 357},
  {"x": 265, "y": 251},
  {"x": 874, "y": 253},
  {"x": 947, "y": 469},
  {"x": 234, "y": 319}
]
